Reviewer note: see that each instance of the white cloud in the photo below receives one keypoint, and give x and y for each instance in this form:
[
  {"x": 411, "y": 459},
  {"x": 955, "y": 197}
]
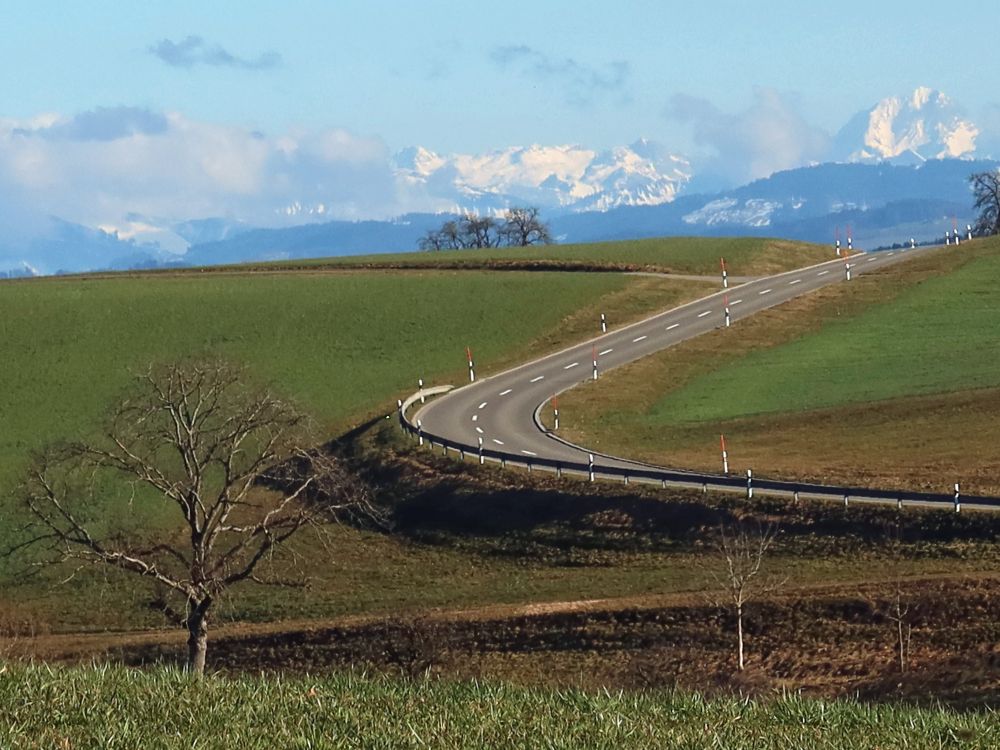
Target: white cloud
[
  {"x": 105, "y": 167},
  {"x": 768, "y": 136}
]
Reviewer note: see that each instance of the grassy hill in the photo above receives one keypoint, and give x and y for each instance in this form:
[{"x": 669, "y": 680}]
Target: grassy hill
[
  {"x": 117, "y": 708},
  {"x": 891, "y": 379},
  {"x": 678, "y": 255}
]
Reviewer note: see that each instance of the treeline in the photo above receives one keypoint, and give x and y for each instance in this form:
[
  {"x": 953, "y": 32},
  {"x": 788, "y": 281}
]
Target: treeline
[{"x": 519, "y": 227}]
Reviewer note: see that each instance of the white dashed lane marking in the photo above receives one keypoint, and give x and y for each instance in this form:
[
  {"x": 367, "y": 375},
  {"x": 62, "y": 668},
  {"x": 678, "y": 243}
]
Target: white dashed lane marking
[
  {"x": 529, "y": 453},
  {"x": 822, "y": 273},
  {"x": 672, "y": 326},
  {"x": 482, "y": 405},
  {"x": 535, "y": 380},
  {"x": 735, "y": 302},
  {"x": 475, "y": 417},
  {"x": 703, "y": 314},
  {"x": 766, "y": 291},
  {"x": 498, "y": 442},
  {"x": 638, "y": 339},
  {"x": 797, "y": 281},
  {"x": 479, "y": 430},
  {"x": 606, "y": 351},
  {"x": 570, "y": 367}
]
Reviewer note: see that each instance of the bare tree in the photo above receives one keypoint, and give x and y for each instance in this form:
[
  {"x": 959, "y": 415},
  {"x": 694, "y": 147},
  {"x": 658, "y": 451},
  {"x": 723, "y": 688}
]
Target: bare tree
[
  {"x": 448, "y": 237},
  {"x": 986, "y": 191},
  {"x": 523, "y": 227},
  {"x": 894, "y": 603},
  {"x": 479, "y": 231},
  {"x": 741, "y": 550},
  {"x": 233, "y": 460}
]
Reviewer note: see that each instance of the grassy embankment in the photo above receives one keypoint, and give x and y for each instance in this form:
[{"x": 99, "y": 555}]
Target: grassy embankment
[
  {"x": 676, "y": 255},
  {"x": 117, "y": 708},
  {"x": 891, "y": 380}
]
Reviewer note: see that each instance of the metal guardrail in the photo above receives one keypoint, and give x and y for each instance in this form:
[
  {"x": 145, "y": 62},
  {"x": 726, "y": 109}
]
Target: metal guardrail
[{"x": 671, "y": 477}]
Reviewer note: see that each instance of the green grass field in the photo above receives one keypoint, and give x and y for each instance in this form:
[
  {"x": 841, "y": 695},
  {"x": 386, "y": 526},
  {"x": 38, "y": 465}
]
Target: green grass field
[
  {"x": 682, "y": 255},
  {"x": 935, "y": 337},
  {"x": 118, "y": 708}
]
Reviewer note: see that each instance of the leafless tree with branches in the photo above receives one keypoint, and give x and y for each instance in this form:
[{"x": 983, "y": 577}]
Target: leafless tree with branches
[
  {"x": 523, "y": 227},
  {"x": 236, "y": 463},
  {"x": 986, "y": 191},
  {"x": 741, "y": 549},
  {"x": 893, "y": 601}
]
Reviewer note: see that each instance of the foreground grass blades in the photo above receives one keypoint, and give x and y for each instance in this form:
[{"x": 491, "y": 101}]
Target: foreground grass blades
[{"x": 106, "y": 707}]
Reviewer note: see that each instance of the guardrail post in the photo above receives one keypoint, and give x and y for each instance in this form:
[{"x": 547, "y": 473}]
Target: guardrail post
[
  {"x": 529, "y": 467},
  {"x": 626, "y": 479},
  {"x": 503, "y": 461},
  {"x": 482, "y": 459},
  {"x": 591, "y": 467},
  {"x": 558, "y": 471},
  {"x": 749, "y": 484},
  {"x": 795, "y": 497},
  {"x": 846, "y": 500},
  {"x": 899, "y": 503},
  {"x": 663, "y": 484},
  {"x": 461, "y": 454},
  {"x": 444, "y": 449},
  {"x": 958, "y": 504},
  {"x": 420, "y": 432},
  {"x": 399, "y": 410}
]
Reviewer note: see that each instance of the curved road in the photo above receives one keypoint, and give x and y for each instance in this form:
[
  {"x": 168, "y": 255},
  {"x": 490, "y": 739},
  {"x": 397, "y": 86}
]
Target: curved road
[{"x": 501, "y": 410}]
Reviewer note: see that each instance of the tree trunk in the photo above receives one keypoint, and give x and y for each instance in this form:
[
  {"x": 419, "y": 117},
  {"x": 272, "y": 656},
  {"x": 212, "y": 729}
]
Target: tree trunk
[
  {"x": 739, "y": 635},
  {"x": 197, "y": 638}
]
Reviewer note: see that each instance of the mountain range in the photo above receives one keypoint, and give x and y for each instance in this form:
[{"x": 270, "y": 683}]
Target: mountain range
[{"x": 895, "y": 170}]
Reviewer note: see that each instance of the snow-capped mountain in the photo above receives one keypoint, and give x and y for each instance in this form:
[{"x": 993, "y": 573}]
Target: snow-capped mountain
[
  {"x": 571, "y": 178},
  {"x": 925, "y": 125}
]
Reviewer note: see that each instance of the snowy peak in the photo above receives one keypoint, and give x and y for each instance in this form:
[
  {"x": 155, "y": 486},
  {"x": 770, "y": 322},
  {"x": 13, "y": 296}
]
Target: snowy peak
[
  {"x": 923, "y": 125},
  {"x": 567, "y": 176}
]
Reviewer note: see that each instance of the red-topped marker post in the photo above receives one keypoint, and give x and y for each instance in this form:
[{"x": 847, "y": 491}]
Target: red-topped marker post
[{"x": 472, "y": 366}]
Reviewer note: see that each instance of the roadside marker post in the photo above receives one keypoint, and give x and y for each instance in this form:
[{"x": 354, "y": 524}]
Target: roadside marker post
[
  {"x": 913, "y": 244},
  {"x": 954, "y": 230},
  {"x": 958, "y": 502},
  {"x": 837, "y": 244},
  {"x": 845, "y": 500},
  {"x": 847, "y": 270},
  {"x": 594, "y": 354},
  {"x": 472, "y": 366},
  {"x": 749, "y": 484},
  {"x": 590, "y": 469},
  {"x": 947, "y": 237},
  {"x": 728, "y": 316},
  {"x": 420, "y": 432},
  {"x": 604, "y": 324},
  {"x": 555, "y": 411},
  {"x": 482, "y": 459},
  {"x": 725, "y": 275},
  {"x": 725, "y": 456},
  {"x": 968, "y": 231},
  {"x": 420, "y": 387},
  {"x": 850, "y": 240}
]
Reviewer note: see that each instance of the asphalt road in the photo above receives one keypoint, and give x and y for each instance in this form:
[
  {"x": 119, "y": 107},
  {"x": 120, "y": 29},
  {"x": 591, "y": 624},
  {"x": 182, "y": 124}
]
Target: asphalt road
[{"x": 501, "y": 410}]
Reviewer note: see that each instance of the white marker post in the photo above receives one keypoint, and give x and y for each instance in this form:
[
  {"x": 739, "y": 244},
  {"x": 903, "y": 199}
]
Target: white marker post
[
  {"x": 555, "y": 410},
  {"x": 604, "y": 324},
  {"x": 850, "y": 240},
  {"x": 725, "y": 275},
  {"x": 846, "y": 500},
  {"x": 725, "y": 456},
  {"x": 482, "y": 459},
  {"x": 837, "y": 243},
  {"x": 595, "y": 362},
  {"x": 728, "y": 316},
  {"x": 420, "y": 390},
  {"x": 590, "y": 469},
  {"x": 913, "y": 243},
  {"x": 958, "y": 503},
  {"x": 954, "y": 230},
  {"x": 472, "y": 366},
  {"x": 968, "y": 231},
  {"x": 947, "y": 237},
  {"x": 847, "y": 269},
  {"x": 749, "y": 484},
  {"x": 420, "y": 432}
]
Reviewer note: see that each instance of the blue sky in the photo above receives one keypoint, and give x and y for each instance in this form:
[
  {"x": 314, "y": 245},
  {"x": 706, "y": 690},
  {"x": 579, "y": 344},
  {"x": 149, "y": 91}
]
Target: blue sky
[
  {"x": 131, "y": 115},
  {"x": 461, "y": 76}
]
